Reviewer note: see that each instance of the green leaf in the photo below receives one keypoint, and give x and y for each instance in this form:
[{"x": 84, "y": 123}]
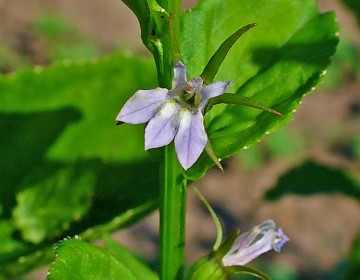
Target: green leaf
[
  {"x": 66, "y": 168},
  {"x": 212, "y": 67},
  {"x": 78, "y": 260},
  {"x": 89, "y": 94},
  {"x": 354, "y": 6},
  {"x": 141, "y": 10},
  {"x": 229, "y": 98},
  {"x": 18, "y": 257},
  {"x": 138, "y": 268},
  {"x": 276, "y": 64},
  {"x": 353, "y": 271},
  {"x": 312, "y": 178},
  {"x": 40, "y": 211}
]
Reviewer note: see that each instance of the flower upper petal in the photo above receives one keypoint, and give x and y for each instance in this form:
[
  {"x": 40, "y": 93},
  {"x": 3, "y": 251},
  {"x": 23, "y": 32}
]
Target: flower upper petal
[
  {"x": 179, "y": 75},
  {"x": 191, "y": 138},
  {"x": 142, "y": 106},
  {"x": 211, "y": 91},
  {"x": 161, "y": 129}
]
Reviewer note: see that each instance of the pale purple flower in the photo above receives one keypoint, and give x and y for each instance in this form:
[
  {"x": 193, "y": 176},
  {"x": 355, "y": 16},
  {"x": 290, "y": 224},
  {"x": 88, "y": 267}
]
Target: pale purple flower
[
  {"x": 175, "y": 113},
  {"x": 249, "y": 245}
]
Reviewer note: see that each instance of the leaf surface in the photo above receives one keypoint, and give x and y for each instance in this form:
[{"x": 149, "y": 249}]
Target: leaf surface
[
  {"x": 276, "y": 64},
  {"x": 78, "y": 260},
  {"x": 66, "y": 167}
]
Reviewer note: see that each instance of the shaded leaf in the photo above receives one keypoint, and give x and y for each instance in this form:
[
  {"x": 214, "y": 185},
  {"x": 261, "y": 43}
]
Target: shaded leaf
[
  {"x": 18, "y": 257},
  {"x": 354, "y": 6},
  {"x": 353, "y": 271},
  {"x": 93, "y": 93},
  {"x": 47, "y": 207},
  {"x": 313, "y": 178},
  {"x": 64, "y": 159}
]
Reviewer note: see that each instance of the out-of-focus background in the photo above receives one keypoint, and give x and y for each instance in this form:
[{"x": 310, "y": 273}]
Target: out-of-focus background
[{"x": 325, "y": 132}]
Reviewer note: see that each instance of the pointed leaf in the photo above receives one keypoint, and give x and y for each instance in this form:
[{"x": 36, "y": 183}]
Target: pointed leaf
[
  {"x": 237, "y": 99},
  {"x": 219, "y": 56}
]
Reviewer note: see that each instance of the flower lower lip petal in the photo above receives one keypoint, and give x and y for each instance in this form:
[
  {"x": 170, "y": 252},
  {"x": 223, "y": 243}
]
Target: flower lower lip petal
[
  {"x": 191, "y": 138},
  {"x": 161, "y": 129}
]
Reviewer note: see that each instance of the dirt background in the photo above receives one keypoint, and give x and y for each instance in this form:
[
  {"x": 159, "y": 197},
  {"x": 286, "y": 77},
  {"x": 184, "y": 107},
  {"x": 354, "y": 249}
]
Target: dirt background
[{"x": 321, "y": 227}]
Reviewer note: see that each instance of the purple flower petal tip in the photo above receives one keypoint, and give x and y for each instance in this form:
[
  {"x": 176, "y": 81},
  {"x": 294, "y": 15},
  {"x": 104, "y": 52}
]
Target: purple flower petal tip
[{"x": 279, "y": 240}]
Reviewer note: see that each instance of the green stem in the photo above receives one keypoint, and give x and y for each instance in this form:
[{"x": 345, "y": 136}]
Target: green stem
[
  {"x": 172, "y": 181},
  {"x": 172, "y": 217}
]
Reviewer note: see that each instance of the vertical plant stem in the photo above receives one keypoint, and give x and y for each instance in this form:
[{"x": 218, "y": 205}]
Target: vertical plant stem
[
  {"x": 172, "y": 217},
  {"x": 172, "y": 182}
]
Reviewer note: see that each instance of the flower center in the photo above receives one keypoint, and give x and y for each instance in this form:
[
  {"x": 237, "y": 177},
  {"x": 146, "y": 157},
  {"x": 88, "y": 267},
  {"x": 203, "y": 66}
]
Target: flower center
[{"x": 190, "y": 95}]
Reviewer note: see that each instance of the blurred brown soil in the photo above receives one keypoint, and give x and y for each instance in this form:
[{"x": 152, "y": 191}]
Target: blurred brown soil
[{"x": 321, "y": 228}]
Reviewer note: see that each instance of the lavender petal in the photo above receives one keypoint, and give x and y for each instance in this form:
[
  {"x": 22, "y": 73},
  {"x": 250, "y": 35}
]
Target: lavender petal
[
  {"x": 191, "y": 138},
  {"x": 161, "y": 129},
  {"x": 179, "y": 75},
  {"x": 142, "y": 106},
  {"x": 279, "y": 240},
  {"x": 211, "y": 91}
]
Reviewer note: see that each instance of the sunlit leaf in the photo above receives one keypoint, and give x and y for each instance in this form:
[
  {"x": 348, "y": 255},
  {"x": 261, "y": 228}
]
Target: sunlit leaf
[{"x": 276, "y": 63}]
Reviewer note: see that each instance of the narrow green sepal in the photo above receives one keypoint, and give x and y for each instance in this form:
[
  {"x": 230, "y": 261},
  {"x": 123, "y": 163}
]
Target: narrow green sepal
[
  {"x": 225, "y": 247},
  {"x": 230, "y": 98},
  {"x": 210, "y": 152},
  {"x": 219, "y": 231},
  {"x": 241, "y": 269},
  {"x": 217, "y": 59}
]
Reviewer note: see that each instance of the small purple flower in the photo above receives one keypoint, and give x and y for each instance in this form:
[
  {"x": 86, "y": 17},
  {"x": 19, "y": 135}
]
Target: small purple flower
[
  {"x": 175, "y": 113},
  {"x": 251, "y": 244}
]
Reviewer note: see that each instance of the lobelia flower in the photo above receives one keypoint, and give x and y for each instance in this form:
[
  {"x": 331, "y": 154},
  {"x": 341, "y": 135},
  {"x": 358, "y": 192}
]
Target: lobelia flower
[
  {"x": 175, "y": 113},
  {"x": 249, "y": 245}
]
